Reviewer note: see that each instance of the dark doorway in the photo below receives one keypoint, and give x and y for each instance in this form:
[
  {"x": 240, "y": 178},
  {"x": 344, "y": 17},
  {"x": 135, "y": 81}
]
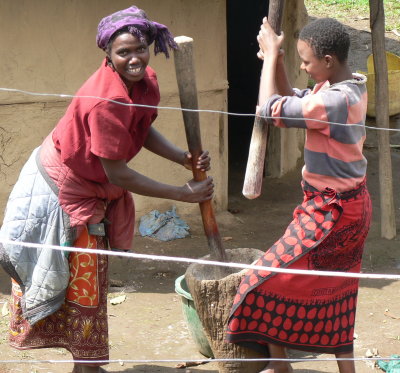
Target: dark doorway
[{"x": 244, "y": 69}]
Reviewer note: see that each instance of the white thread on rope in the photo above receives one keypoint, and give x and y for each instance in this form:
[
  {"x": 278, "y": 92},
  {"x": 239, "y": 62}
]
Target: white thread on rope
[
  {"x": 199, "y": 261},
  {"x": 62, "y": 95},
  {"x": 144, "y": 361},
  {"x": 205, "y": 262}
]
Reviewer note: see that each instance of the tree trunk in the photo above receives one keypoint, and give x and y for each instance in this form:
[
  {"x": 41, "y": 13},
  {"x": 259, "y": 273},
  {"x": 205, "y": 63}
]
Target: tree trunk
[{"x": 213, "y": 298}]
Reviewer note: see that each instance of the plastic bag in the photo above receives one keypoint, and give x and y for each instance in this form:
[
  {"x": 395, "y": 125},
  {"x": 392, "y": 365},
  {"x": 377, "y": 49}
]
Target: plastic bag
[
  {"x": 392, "y": 366},
  {"x": 163, "y": 226}
]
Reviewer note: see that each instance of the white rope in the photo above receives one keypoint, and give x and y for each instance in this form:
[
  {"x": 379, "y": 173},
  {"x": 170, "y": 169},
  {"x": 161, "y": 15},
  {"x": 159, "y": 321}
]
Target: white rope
[
  {"x": 205, "y": 262},
  {"x": 63, "y": 95},
  {"x": 198, "y": 261},
  {"x": 145, "y": 361}
]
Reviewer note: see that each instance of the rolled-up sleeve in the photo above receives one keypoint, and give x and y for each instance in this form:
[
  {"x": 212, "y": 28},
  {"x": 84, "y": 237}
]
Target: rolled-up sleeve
[{"x": 302, "y": 110}]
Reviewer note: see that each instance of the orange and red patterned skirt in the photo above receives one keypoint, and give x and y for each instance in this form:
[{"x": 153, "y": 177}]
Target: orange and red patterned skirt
[{"x": 80, "y": 325}]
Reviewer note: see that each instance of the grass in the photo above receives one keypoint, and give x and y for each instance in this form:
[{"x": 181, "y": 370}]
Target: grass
[{"x": 344, "y": 10}]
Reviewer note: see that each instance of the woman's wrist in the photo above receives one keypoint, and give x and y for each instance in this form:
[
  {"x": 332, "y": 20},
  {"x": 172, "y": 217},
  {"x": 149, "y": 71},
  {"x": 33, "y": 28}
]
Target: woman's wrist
[
  {"x": 180, "y": 195},
  {"x": 184, "y": 157}
]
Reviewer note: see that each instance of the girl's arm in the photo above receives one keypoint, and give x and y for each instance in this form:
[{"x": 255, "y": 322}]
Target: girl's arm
[
  {"x": 120, "y": 174},
  {"x": 282, "y": 81},
  {"x": 159, "y": 145}
]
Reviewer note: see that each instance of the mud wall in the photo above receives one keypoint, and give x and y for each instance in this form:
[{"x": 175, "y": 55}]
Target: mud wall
[{"x": 49, "y": 46}]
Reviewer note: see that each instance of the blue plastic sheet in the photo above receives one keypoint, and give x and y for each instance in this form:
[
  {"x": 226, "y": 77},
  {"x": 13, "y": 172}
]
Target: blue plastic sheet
[{"x": 165, "y": 226}]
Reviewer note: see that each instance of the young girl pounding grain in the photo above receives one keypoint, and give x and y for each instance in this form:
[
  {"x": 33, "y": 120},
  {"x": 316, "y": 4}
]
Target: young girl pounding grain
[{"x": 312, "y": 313}]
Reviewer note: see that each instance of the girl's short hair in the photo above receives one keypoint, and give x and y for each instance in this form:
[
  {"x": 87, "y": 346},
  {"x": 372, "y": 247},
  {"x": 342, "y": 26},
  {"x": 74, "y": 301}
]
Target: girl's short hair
[{"x": 327, "y": 36}]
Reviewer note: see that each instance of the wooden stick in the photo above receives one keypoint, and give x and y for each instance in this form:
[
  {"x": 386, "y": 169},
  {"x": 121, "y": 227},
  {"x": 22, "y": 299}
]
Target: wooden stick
[
  {"x": 186, "y": 78},
  {"x": 377, "y": 19},
  {"x": 258, "y": 144}
]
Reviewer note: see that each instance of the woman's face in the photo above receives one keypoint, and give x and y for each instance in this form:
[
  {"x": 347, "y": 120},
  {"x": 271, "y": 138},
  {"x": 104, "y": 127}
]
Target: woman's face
[
  {"x": 316, "y": 68},
  {"x": 129, "y": 56}
]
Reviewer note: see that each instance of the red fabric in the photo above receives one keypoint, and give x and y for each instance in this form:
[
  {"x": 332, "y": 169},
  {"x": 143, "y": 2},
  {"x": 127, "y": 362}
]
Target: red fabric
[
  {"x": 87, "y": 202},
  {"x": 93, "y": 127},
  {"x": 313, "y": 313}
]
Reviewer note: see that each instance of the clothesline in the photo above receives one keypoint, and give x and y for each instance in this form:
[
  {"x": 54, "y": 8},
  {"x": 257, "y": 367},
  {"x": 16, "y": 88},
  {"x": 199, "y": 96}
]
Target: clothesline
[
  {"x": 204, "y": 262},
  {"x": 198, "y": 361},
  {"x": 198, "y": 261},
  {"x": 64, "y": 95}
]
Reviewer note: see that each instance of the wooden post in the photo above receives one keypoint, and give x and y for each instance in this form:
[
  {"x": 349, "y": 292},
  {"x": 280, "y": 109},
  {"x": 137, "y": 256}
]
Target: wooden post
[
  {"x": 258, "y": 144},
  {"x": 377, "y": 21},
  {"x": 186, "y": 78}
]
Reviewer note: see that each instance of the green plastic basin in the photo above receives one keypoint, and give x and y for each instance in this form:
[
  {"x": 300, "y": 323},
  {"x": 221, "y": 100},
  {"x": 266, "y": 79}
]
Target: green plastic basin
[{"x": 192, "y": 318}]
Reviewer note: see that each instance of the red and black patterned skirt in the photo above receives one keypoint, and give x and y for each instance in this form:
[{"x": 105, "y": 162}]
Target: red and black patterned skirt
[{"x": 307, "y": 312}]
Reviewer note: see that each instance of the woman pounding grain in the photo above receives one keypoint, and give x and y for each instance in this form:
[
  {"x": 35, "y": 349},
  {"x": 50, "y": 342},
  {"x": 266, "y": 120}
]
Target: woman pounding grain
[{"x": 75, "y": 191}]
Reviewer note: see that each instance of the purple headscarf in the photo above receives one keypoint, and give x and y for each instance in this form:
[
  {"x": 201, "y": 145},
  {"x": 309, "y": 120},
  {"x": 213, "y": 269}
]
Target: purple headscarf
[{"x": 138, "y": 24}]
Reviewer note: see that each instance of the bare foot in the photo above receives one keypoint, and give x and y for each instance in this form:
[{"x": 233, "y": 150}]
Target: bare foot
[{"x": 277, "y": 367}]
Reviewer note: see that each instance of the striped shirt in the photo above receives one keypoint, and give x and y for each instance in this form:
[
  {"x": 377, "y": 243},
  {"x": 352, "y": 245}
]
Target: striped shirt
[{"x": 333, "y": 147}]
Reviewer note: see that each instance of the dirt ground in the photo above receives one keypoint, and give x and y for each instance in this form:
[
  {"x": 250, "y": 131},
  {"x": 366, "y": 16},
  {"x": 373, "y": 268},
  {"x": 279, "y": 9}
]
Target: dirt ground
[{"x": 149, "y": 324}]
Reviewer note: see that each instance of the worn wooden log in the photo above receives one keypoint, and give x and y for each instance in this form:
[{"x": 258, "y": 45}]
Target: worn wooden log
[
  {"x": 377, "y": 17},
  {"x": 186, "y": 78},
  {"x": 258, "y": 144},
  {"x": 213, "y": 298}
]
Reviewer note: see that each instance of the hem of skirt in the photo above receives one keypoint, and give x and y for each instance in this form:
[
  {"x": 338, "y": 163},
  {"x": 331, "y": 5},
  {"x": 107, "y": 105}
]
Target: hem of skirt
[
  {"x": 261, "y": 348},
  {"x": 105, "y": 357},
  {"x": 254, "y": 343}
]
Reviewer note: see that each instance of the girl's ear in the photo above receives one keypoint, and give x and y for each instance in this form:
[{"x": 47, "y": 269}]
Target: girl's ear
[{"x": 329, "y": 61}]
